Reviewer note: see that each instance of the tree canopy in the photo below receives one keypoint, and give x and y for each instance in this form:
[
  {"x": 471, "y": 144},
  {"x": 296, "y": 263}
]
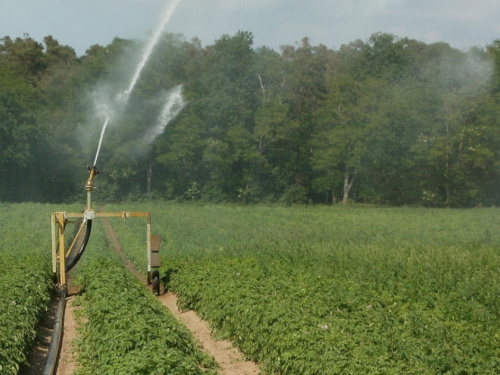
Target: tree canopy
[{"x": 388, "y": 120}]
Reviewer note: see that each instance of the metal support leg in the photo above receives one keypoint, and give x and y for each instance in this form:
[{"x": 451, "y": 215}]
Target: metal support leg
[{"x": 62, "y": 255}]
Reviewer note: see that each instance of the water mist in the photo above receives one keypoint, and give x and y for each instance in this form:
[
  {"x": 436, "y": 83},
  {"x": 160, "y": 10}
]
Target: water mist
[
  {"x": 122, "y": 98},
  {"x": 174, "y": 103},
  {"x": 149, "y": 48}
]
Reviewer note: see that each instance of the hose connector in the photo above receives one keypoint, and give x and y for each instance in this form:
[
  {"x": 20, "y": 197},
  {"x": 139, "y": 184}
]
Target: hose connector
[{"x": 89, "y": 186}]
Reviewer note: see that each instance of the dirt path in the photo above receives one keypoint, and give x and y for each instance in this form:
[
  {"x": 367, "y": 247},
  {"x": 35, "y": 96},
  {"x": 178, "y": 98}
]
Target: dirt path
[
  {"x": 66, "y": 364},
  {"x": 227, "y": 356},
  {"x": 67, "y": 358}
]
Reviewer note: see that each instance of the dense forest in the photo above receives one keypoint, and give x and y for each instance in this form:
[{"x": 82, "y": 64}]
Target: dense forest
[{"x": 388, "y": 120}]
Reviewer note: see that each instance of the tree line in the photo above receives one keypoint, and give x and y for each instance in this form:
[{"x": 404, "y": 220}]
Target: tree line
[{"x": 388, "y": 120}]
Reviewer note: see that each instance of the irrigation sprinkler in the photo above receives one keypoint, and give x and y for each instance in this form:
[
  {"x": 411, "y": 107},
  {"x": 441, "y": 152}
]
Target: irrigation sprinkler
[{"x": 64, "y": 259}]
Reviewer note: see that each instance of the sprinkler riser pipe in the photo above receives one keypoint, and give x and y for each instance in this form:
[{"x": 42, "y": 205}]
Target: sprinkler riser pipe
[
  {"x": 89, "y": 186},
  {"x": 89, "y": 200}
]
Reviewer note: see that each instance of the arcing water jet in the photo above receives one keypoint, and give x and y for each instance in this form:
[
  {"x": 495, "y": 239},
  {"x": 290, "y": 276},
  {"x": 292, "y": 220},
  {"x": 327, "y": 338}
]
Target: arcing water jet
[
  {"x": 173, "y": 105},
  {"x": 100, "y": 140},
  {"x": 122, "y": 98},
  {"x": 149, "y": 48},
  {"x": 62, "y": 260}
]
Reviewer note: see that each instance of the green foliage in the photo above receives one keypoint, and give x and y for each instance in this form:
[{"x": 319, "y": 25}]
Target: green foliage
[
  {"x": 25, "y": 286},
  {"x": 126, "y": 330},
  {"x": 25, "y": 290},
  {"x": 387, "y": 120},
  {"x": 25, "y": 279},
  {"x": 330, "y": 291},
  {"x": 17, "y": 122}
]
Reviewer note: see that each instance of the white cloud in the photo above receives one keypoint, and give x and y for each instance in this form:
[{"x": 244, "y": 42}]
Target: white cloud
[{"x": 80, "y": 24}]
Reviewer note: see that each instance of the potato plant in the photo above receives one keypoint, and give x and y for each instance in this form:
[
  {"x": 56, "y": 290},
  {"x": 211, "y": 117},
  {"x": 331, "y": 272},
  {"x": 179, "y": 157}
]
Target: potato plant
[
  {"x": 25, "y": 279},
  {"x": 321, "y": 290},
  {"x": 25, "y": 291},
  {"x": 126, "y": 330}
]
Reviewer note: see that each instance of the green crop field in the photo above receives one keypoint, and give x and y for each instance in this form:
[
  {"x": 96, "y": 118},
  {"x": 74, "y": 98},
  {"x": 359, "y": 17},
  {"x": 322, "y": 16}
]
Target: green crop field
[
  {"x": 301, "y": 290},
  {"x": 126, "y": 330},
  {"x": 25, "y": 278},
  {"x": 322, "y": 290}
]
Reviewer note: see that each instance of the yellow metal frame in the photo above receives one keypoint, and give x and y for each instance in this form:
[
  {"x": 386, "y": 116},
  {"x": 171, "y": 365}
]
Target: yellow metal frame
[{"x": 59, "y": 221}]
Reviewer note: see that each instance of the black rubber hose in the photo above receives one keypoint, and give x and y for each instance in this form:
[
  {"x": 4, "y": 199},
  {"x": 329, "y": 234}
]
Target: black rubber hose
[
  {"x": 72, "y": 259},
  {"x": 55, "y": 342}
]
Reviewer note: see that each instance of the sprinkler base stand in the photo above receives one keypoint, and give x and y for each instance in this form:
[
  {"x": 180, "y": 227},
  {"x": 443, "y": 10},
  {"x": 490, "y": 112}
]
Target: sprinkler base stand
[{"x": 89, "y": 215}]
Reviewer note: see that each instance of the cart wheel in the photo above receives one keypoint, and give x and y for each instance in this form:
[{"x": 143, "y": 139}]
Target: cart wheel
[{"x": 156, "y": 282}]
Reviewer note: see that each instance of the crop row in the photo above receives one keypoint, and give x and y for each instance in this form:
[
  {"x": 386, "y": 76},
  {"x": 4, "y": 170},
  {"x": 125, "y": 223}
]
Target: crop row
[
  {"x": 25, "y": 286},
  {"x": 25, "y": 279},
  {"x": 322, "y": 291},
  {"x": 296, "y": 319},
  {"x": 126, "y": 330}
]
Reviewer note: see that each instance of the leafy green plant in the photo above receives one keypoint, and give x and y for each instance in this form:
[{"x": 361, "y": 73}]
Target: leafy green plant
[
  {"x": 126, "y": 330},
  {"x": 25, "y": 279},
  {"x": 358, "y": 290},
  {"x": 25, "y": 288}
]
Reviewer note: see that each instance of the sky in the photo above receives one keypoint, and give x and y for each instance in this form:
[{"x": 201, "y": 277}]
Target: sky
[{"x": 83, "y": 23}]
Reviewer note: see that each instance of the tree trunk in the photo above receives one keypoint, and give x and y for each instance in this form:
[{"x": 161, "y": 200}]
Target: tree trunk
[{"x": 347, "y": 187}]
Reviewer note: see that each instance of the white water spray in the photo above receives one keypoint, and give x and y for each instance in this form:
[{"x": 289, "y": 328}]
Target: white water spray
[
  {"x": 149, "y": 48},
  {"x": 173, "y": 105},
  {"x": 100, "y": 139},
  {"x": 122, "y": 98}
]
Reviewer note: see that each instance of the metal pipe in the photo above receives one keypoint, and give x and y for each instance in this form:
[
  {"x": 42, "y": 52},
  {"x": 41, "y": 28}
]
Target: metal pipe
[
  {"x": 148, "y": 246},
  {"x": 120, "y": 214},
  {"x": 62, "y": 257},
  {"x": 89, "y": 186},
  {"x": 54, "y": 243},
  {"x": 89, "y": 200},
  {"x": 77, "y": 235}
]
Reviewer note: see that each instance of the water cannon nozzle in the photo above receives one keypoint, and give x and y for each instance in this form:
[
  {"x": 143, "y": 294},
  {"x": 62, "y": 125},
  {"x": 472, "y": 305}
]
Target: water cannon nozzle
[{"x": 89, "y": 186}]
